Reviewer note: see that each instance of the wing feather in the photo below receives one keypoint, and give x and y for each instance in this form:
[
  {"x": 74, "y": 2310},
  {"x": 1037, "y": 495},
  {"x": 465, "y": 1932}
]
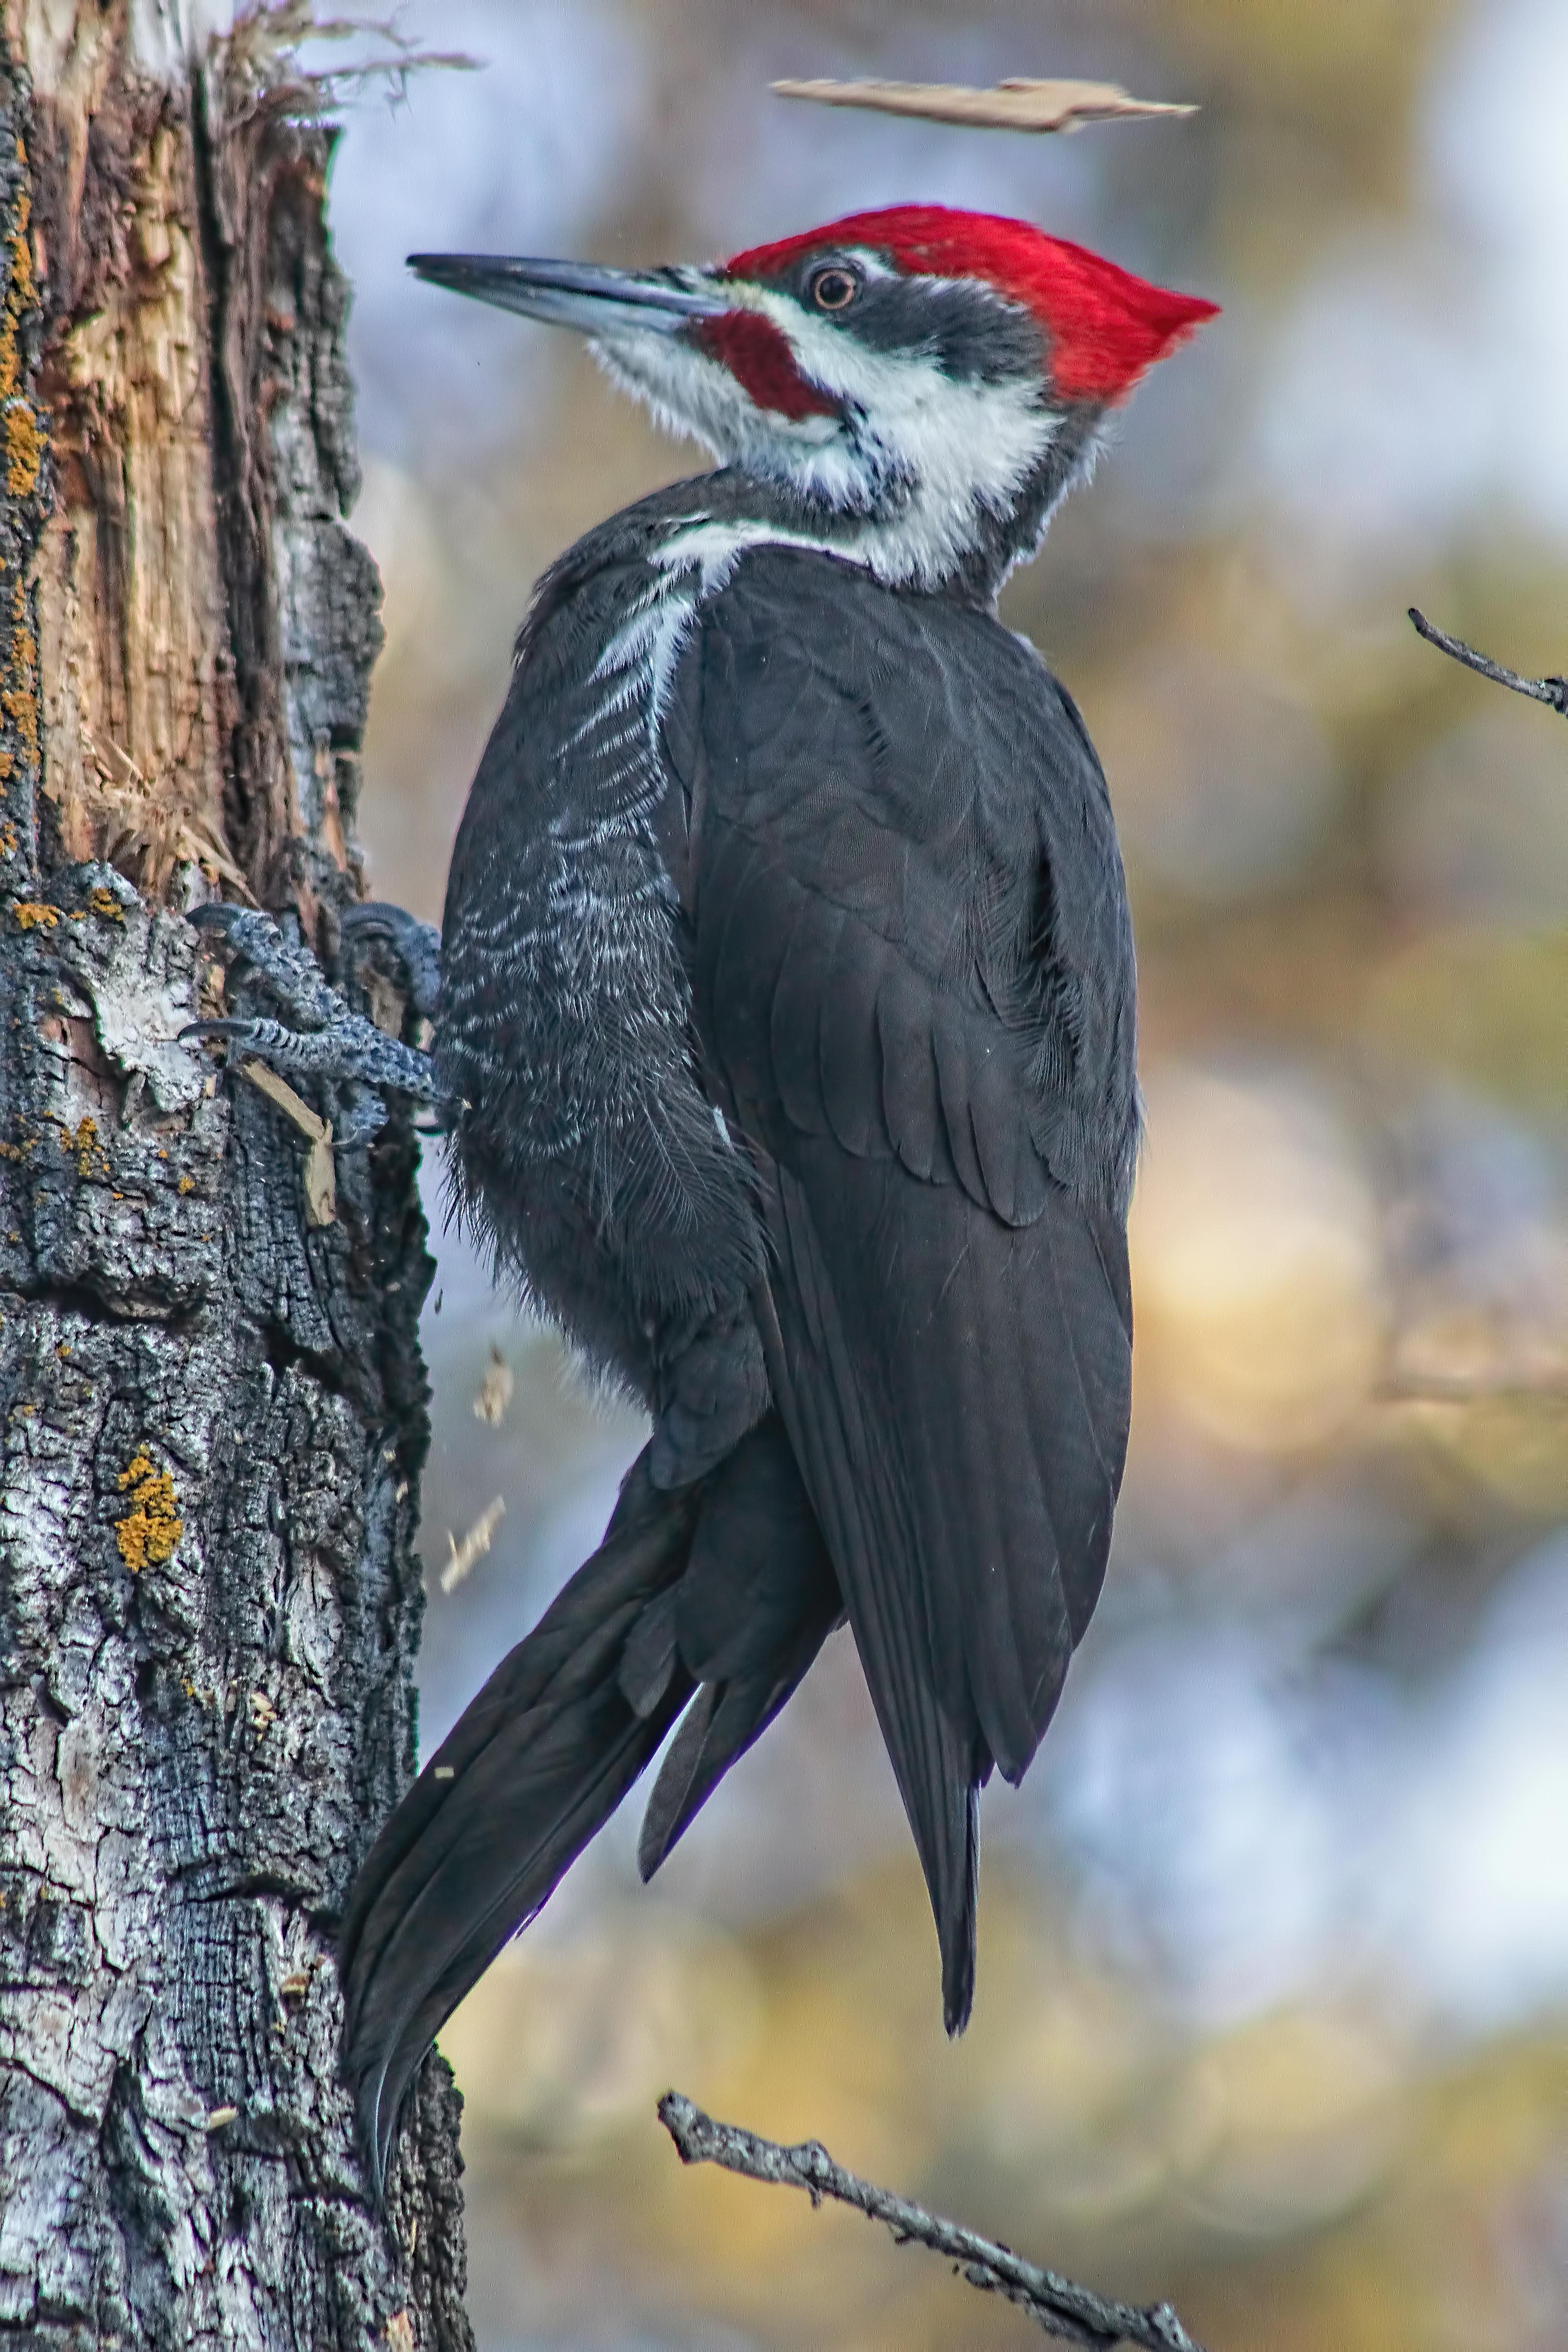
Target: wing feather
[
  {"x": 865, "y": 1517},
  {"x": 796, "y": 1018},
  {"x": 847, "y": 1043},
  {"x": 909, "y": 1101},
  {"x": 952, "y": 1049},
  {"x": 912, "y": 975}
]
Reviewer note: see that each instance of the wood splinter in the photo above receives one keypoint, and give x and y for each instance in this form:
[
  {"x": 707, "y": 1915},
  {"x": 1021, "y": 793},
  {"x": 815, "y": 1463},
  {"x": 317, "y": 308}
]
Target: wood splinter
[
  {"x": 320, "y": 1178},
  {"x": 1015, "y": 104}
]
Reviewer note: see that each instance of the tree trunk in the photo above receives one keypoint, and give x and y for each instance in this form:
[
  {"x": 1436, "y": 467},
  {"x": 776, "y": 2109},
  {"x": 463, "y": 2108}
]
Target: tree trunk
[{"x": 213, "y": 1409}]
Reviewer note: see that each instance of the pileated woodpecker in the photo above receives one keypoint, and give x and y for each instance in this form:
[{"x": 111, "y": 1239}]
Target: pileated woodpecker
[{"x": 787, "y": 1021}]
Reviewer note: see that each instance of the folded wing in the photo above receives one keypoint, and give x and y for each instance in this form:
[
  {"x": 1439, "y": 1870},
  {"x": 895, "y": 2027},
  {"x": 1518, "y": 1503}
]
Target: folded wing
[{"x": 943, "y": 1179}]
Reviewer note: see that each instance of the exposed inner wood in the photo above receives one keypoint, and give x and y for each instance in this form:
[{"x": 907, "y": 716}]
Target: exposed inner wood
[
  {"x": 197, "y": 410},
  {"x": 131, "y": 599}
]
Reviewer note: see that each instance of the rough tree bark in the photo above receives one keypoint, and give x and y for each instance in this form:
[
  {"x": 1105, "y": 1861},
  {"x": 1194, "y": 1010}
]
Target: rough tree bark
[{"x": 212, "y": 1411}]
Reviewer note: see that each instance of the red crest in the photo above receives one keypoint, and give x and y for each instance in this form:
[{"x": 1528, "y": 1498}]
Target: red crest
[{"x": 1106, "y": 326}]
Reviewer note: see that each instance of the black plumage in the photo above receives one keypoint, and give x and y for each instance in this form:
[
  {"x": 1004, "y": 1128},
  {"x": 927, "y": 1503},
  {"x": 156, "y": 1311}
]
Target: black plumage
[{"x": 861, "y": 900}]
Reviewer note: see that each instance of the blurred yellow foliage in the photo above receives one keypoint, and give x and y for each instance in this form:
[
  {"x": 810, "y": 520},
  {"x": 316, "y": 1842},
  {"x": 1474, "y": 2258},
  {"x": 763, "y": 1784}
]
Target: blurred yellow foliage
[{"x": 1312, "y": 2178}]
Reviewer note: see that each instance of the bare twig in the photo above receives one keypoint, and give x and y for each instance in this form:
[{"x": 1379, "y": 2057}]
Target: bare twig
[
  {"x": 1552, "y": 692},
  {"x": 261, "y": 59},
  {"x": 406, "y": 55},
  {"x": 1074, "y": 2314},
  {"x": 1014, "y": 105}
]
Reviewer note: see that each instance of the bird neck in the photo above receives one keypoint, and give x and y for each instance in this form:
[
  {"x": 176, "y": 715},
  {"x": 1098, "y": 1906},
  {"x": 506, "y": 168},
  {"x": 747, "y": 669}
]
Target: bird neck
[
  {"x": 910, "y": 532},
  {"x": 691, "y": 534}
]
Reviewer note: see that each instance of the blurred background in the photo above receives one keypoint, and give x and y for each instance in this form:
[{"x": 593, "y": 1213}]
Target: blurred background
[{"x": 1273, "y": 2007}]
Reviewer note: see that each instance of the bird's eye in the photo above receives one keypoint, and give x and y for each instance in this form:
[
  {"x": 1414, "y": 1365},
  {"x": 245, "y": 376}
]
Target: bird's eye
[{"x": 834, "y": 289}]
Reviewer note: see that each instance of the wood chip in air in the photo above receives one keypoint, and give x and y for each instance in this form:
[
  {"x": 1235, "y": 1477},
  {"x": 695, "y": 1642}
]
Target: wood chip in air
[
  {"x": 1016, "y": 104},
  {"x": 320, "y": 1178},
  {"x": 474, "y": 1546},
  {"x": 495, "y": 1391}
]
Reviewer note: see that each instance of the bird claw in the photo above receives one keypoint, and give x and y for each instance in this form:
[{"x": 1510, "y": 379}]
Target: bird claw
[
  {"x": 333, "y": 1043},
  {"x": 416, "y": 946}
]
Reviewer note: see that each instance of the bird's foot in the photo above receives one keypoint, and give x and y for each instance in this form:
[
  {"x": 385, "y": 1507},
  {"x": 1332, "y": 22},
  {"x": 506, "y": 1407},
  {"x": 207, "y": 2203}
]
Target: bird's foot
[
  {"x": 415, "y": 946},
  {"x": 322, "y": 1036}
]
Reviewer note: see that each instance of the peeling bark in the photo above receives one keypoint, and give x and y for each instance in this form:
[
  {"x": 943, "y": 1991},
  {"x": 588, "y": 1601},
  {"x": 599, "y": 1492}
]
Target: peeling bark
[{"x": 213, "y": 1414}]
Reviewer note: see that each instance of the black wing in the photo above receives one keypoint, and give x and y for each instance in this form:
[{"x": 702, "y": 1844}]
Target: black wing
[{"x": 913, "y": 984}]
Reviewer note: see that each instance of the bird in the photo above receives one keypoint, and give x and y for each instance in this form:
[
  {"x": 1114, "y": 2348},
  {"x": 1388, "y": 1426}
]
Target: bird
[{"x": 786, "y": 1017}]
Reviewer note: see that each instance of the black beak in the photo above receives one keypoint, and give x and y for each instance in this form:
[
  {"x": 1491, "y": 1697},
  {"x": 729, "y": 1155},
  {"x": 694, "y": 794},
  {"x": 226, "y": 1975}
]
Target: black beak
[{"x": 574, "y": 293}]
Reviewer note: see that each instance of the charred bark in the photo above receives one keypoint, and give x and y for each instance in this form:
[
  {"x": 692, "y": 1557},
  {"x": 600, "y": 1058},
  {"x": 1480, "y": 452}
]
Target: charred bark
[{"x": 212, "y": 1411}]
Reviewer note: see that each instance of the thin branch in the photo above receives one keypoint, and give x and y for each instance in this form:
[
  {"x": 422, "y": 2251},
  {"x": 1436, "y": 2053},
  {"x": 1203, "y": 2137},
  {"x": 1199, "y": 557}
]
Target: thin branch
[
  {"x": 1074, "y": 2314},
  {"x": 1014, "y": 105},
  {"x": 262, "y": 67},
  {"x": 1552, "y": 692},
  {"x": 406, "y": 57}
]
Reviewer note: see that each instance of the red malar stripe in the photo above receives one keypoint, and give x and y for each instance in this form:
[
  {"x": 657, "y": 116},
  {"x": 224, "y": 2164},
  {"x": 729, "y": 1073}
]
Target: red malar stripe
[{"x": 759, "y": 357}]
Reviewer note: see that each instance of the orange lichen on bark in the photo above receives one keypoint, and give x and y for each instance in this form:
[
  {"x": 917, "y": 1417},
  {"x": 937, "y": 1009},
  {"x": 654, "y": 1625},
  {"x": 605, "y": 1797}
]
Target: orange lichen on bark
[
  {"x": 20, "y": 293},
  {"x": 34, "y": 914},
  {"x": 18, "y": 692},
  {"x": 152, "y": 1527},
  {"x": 85, "y": 1144},
  {"x": 23, "y": 446},
  {"x": 24, "y": 450},
  {"x": 25, "y": 439}
]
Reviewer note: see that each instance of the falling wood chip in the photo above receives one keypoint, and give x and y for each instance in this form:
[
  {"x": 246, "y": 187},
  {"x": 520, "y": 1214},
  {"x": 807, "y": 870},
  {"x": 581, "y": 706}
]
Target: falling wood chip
[
  {"x": 495, "y": 1391},
  {"x": 321, "y": 1181},
  {"x": 475, "y": 1543},
  {"x": 1014, "y": 105}
]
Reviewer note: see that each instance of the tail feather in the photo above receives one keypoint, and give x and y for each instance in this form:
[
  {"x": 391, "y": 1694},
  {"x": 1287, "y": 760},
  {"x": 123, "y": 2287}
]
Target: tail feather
[
  {"x": 758, "y": 1600},
  {"x": 563, "y": 1783},
  {"x": 721, "y": 1723},
  {"x": 721, "y": 1588},
  {"x": 642, "y": 1552},
  {"x": 524, "y": 1766}
]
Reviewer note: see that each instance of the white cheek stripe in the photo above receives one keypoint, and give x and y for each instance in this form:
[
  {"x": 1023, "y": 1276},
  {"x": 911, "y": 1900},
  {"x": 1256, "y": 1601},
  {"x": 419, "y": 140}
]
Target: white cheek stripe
[{"x": 927, "y": 460}]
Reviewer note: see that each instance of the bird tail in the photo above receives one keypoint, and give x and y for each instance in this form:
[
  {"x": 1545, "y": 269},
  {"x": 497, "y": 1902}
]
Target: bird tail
[{"x": 720, "y": 1590}]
